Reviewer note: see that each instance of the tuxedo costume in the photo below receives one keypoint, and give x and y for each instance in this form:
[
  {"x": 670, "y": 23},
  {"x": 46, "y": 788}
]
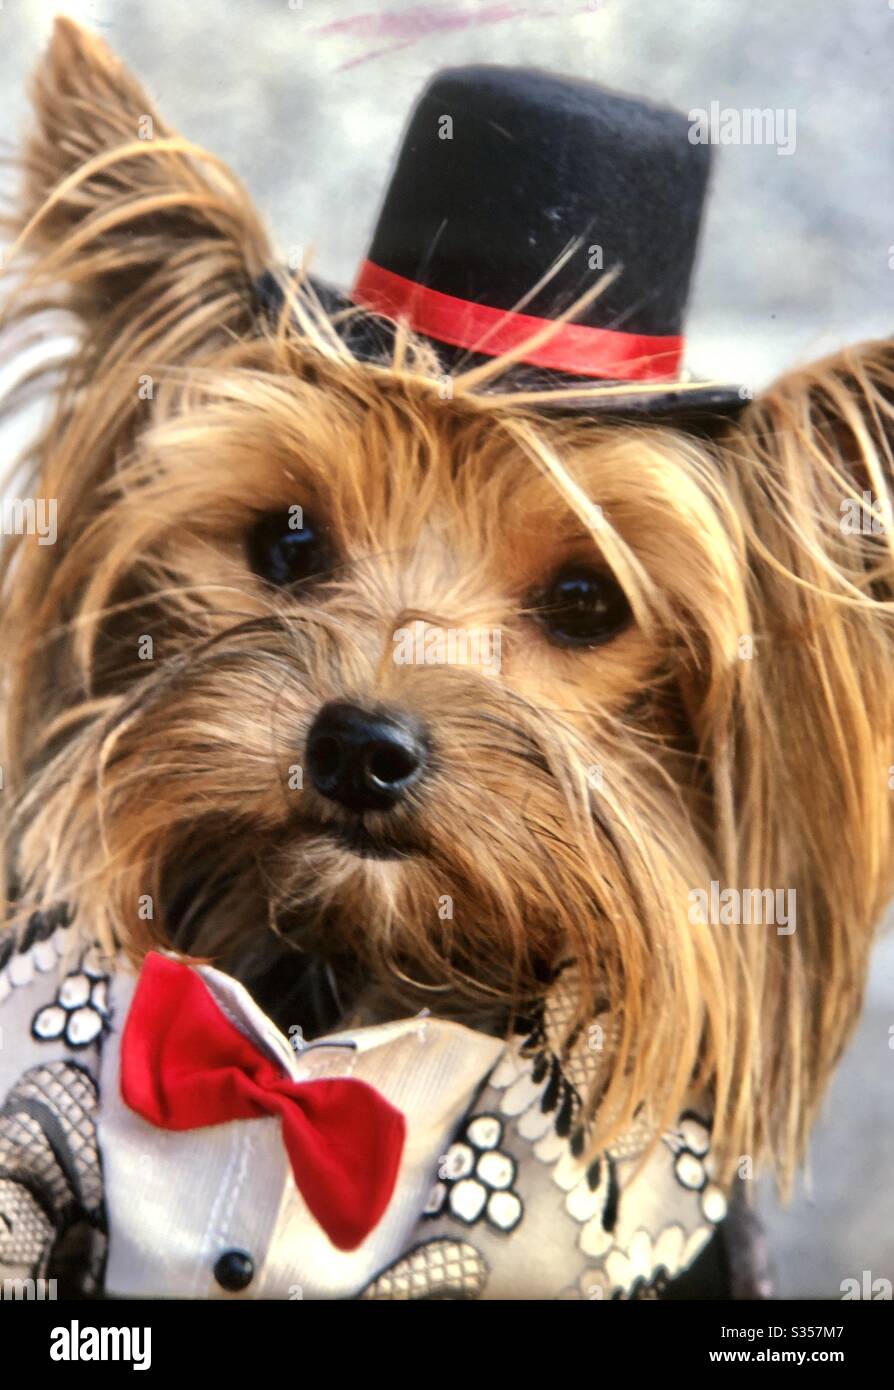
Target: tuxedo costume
[{"x": 485, "y": 1190}]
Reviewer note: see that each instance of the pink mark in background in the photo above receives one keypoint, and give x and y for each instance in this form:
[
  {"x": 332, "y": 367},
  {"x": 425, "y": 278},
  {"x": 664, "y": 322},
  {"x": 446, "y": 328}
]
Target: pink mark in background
[{"x": 401, "y": 29}]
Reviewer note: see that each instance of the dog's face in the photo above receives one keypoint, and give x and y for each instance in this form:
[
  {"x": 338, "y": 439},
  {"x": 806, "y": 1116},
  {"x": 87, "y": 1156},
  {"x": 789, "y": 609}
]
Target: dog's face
[
  {"x": 401, "y": 688},
  {"x": 428, "y": 684}
]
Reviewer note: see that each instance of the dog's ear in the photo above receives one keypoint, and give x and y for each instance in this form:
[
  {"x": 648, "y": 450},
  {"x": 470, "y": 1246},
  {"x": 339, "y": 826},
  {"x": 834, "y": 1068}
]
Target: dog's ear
[
  {"x": 134, "y": 221},
  {"x": 153, "y": 247},
  {"x": 810, "y": 467}
]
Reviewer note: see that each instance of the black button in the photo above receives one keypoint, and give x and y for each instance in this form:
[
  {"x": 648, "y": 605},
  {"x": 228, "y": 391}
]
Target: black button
[{"x": 234, "y": 1270}]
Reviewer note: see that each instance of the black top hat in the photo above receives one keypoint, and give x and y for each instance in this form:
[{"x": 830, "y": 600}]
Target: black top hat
[{"x": 516, "y": 192}]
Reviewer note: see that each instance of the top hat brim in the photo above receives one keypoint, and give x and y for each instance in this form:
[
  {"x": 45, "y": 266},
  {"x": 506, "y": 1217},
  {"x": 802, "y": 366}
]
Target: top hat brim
[{"x": 369, "y": 338}]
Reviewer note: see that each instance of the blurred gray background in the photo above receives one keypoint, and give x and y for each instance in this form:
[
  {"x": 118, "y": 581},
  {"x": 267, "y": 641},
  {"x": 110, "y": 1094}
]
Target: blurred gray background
[{"x": 306, "y": 99}]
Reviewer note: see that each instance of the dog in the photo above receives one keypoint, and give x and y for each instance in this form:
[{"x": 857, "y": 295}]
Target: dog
[{"x": 643, "y": 652}]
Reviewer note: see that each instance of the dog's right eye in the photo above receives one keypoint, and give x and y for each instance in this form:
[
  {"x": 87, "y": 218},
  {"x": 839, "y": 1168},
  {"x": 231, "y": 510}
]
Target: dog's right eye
[
  {"x": 285, "y": 547},
  {"x": 583, "y": 607}
]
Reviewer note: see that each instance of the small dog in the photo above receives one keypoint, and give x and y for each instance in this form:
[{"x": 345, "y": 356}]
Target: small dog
[{"x": 209, "y": 743}]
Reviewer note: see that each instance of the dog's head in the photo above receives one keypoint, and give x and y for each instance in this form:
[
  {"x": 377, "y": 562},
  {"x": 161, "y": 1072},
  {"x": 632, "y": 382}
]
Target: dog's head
[{"x": 425, "y": 682}]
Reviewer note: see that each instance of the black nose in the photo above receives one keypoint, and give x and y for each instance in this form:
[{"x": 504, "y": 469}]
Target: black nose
[{"x": 366, "y": 761}]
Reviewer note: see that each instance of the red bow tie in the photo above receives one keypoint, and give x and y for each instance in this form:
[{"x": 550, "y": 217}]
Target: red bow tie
[{"x": 185, "y": 1066}]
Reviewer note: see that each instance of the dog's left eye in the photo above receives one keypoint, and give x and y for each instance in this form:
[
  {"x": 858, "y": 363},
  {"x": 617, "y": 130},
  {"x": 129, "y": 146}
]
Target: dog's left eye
[
  {"x": 583, "y": 607},
  {"x": 284, "y": 547}
]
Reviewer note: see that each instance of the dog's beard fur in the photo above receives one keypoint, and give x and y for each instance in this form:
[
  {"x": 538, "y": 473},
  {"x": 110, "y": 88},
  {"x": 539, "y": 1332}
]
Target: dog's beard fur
[{"x": 165, "y": 781}]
